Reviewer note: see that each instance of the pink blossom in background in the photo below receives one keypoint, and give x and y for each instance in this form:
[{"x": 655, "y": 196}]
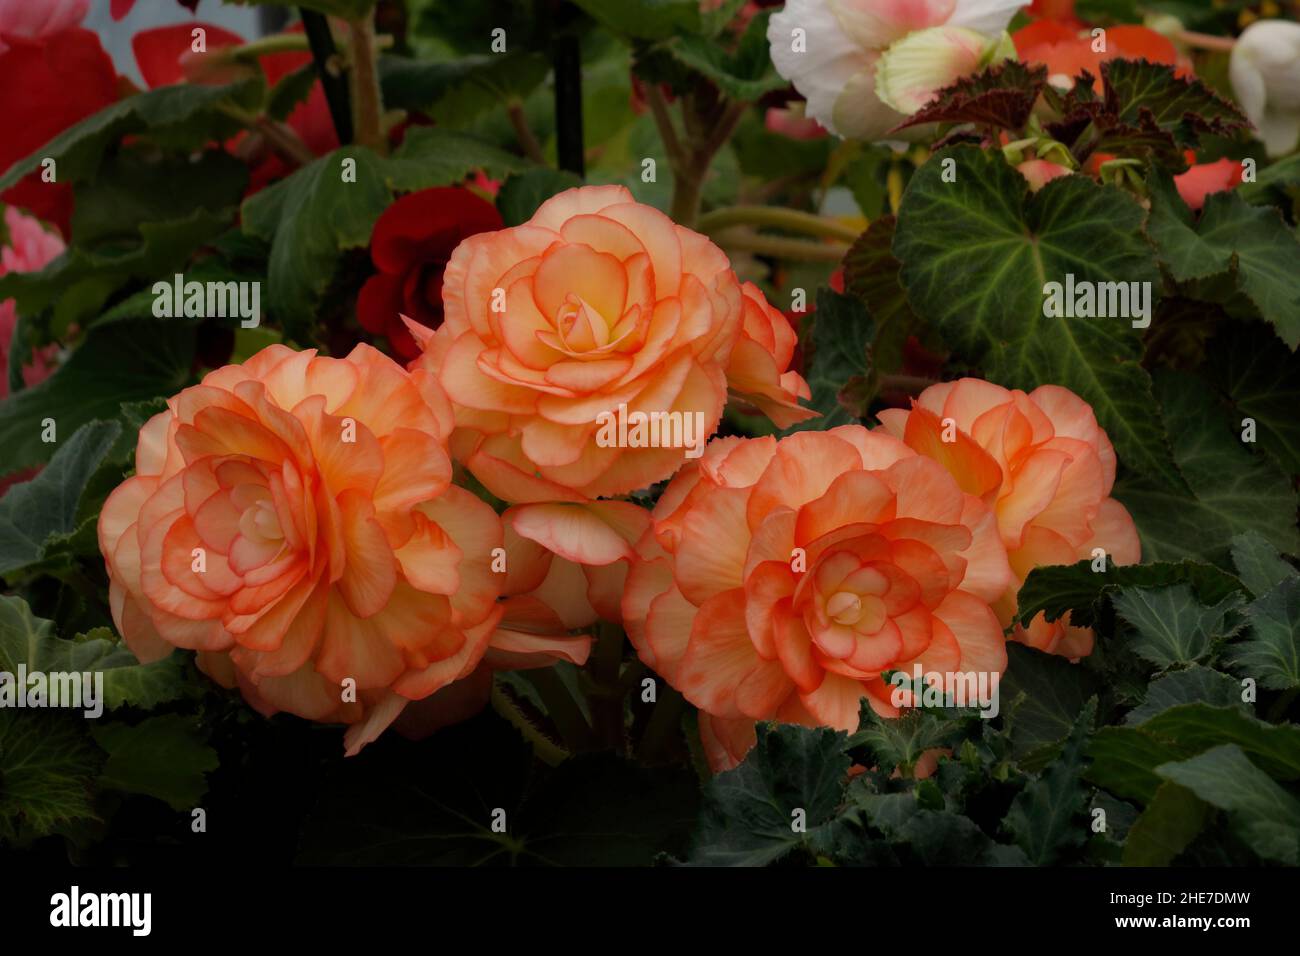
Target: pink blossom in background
[
  {"x": 118, "y": 9},
  {"x": 792, "y": 123},
  {"x": 34, "y": 19},
  {"x": 1204, "y": 179},
  {"x": 29, "y": 248}
]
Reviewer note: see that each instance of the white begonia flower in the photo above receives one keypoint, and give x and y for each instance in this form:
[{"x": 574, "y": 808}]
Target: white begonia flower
[
  {"x": 1265, "y": 73},
  {"x": 912, "y": 70},
  {"x": 831, "y": 49}
]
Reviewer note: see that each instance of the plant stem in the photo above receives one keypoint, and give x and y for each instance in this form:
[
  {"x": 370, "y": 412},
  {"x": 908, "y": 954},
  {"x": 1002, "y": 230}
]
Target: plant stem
[
  {"x": 688, "y": 186},
  {"x": 665, "y": 721},
  {"x": 789, "y": 220},
  {"x": 723, "y": 129},
  {"x": 561, "y": 708},
  {"x": 275, "y": 43},
  {"x": 664, "y": 122},
  {"x": 546, "y": 749},
  {"x": 1204, "y": 41},
  {"x": 894, "y": 185},
  {"x": 363, "y": 79},
  {"x": 607, "y": 696},
  {"x": 781, "y": 248},
  {"x": 690, "y": 156},
  {"x": 913, "y": 384},
  {"x": 523, "y": 132},
  {"x": 283, "y": 139}
]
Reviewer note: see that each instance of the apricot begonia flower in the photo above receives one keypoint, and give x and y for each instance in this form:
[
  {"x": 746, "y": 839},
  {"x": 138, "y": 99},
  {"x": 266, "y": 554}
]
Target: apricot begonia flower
[
  {"x": 834, "y": 52},
  {"x": 781, "y": 579},
  {"x": 291, "y": 519},
  {"x": 598, "y": 307},
  {"x": 1044, "y": 466},
  {"x": 568, "y": 562}
]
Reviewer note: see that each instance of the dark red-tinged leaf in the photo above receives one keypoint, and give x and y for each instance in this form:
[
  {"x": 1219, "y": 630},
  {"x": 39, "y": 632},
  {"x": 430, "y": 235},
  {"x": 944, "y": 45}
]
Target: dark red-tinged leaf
[
  {"x": 1147, "y": 111},
  {"x": 1142, "y": 93},
  {"x": 1002, "y": 96}
]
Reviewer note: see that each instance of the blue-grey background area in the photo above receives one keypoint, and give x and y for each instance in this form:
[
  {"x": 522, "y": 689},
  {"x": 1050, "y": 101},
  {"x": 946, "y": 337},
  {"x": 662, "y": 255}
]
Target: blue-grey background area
[{"x": 116, "y": 35}]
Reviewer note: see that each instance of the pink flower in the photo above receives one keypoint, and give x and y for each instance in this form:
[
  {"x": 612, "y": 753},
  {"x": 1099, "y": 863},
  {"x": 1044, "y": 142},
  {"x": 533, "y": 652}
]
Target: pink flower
[
  {"x": 34, "y": 19},
  {"x": 29, "y": 249},
  {"x": 792, "y": 123},
  {"x": 1040, "y": 172},
  {"x": 1203, "y": 179}
]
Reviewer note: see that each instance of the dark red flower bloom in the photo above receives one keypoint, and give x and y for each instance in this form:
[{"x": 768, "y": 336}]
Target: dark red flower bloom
[
  {"x": 410, "y": 246},
  {"x": 46, "y": 85}
]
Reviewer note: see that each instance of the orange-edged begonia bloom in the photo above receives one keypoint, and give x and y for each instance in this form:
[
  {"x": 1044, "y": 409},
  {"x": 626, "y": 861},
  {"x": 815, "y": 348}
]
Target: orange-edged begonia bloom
[
  {"x": 292, "y": 520},
  {"x": 759, "y": 371},
  {"x": 572, "y": 559},
  {"x": 1044, "y": 466},
  {"x": 781, "y": 579},
  {"x": 598, "y": 307}
]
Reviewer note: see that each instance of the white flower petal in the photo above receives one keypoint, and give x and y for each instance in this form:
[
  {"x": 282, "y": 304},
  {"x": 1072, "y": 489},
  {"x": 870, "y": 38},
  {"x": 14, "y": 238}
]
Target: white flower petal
[
  {"x": 1265, "y": 74},
  {"x": 828, "y": 62},
  {"x": 1248, "y": 84},
  {"x": 1279, "y": 132},
  {"x": 985, "y": 16},
  {"x": 859, "y": 112},
  {"x": 915, "y": 68},
  {"x": 875, "y": 24}
]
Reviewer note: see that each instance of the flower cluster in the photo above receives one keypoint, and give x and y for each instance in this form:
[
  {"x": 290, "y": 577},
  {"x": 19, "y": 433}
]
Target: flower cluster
[{"x": 293, "y": 518}]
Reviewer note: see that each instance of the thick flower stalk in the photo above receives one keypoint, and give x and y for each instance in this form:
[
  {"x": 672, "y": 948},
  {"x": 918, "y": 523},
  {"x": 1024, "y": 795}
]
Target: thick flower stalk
[
  {"x": 782, "y": 579},
  {"x": 1044, "y": 466},
  {"x": 292, "y": 520}
]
